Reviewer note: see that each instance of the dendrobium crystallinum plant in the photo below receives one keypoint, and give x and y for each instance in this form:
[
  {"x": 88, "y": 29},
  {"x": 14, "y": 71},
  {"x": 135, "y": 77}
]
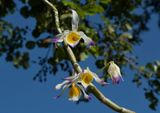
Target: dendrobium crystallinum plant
[{"x": 80, "y": 83}]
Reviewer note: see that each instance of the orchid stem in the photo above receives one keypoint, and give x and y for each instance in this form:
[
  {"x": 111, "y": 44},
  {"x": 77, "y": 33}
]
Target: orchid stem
[{"x": 91, "y": 88}]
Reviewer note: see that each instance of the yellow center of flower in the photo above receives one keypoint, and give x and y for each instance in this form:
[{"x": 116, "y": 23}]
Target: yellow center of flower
[
  {"x": 74, "y": 91},
  {"x": 73, "y": 37},
  {"x": 87, "y": 78}
]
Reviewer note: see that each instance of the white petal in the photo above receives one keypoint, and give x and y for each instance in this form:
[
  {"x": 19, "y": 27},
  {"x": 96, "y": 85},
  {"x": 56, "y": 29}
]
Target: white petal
[
  {"x": 113, "y": 69},
  {"x": 75, "y": 98},
  {"x": 60, "y": 37},
  {"x": 98, "y": 80},
  {"x": 86, "y": 39},
  {"x": 84, "y": 84},
  {"x": 75, "y": 20},
  {"x": 55, "y": 40},
  {"x": 73, "y": 78},
  {"x": 59, "y": 86},
  {"x": 62, "y": 92},
  {"x": 66, "y": 32},
  {"x": 86, "y": 96},
  {"x": 66, "y": 86}
]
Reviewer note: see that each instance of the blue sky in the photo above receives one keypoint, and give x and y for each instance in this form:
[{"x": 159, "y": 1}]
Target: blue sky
[{"x": 20, "y": 94}]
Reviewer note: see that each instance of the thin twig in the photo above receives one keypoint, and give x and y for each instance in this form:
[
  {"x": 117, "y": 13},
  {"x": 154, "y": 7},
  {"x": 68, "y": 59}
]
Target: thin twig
[
  {"x": 55, "y": 15},
  {"x": 91, "y": 88}
]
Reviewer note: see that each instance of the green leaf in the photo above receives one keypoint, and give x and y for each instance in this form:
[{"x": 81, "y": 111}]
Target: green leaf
[
  {"x": 92, "y": 9},
  {"x": 126, "y": 35},
  {"x": 105, "y": 1}
]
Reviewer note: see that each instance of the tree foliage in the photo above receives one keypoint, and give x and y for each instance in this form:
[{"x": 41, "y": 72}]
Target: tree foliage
[{"x": 116, "y": 30}]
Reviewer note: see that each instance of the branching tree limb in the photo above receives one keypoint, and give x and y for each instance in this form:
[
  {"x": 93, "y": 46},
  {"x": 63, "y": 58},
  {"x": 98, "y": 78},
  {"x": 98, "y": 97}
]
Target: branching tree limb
[{"x": 91, "y": 88}]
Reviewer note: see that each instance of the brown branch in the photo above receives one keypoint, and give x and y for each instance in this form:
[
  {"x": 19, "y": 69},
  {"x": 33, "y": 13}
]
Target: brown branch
[{"x": 91, "y": 88}]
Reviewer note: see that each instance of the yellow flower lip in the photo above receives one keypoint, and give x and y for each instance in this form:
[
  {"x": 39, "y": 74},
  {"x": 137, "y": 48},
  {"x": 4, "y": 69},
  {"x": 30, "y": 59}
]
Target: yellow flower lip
[
  {"x": 74, "y": 92},
  {"x": 87, "y": 77},
  {"x": 73, "y": 38}
]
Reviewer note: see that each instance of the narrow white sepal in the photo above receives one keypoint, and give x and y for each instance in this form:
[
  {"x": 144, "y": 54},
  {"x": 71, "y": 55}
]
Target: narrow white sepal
[
  {"x": 75, "y": 20},
  {"x": 98, "y": 80},
  {"x": 59, "y": 86},
  {"x": 84, "y": 84},
  {"x": 86, "y": 96}
]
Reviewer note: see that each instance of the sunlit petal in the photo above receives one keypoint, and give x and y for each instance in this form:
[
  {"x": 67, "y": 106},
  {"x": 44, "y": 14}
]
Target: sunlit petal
[
  {"x": 99, "y": 80},
  {"x": 86, "y": 39},
  {"x": 59, "y": 86},
  {"x": 86, "y": 96},
  {"x": 75, "y": 20}
]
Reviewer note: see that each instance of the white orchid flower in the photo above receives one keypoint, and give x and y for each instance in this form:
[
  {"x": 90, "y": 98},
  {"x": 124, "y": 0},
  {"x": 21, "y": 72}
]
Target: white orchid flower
[
  {"x": 73, "y": 37},
  {"x": 75, "y": 89},
  {"x": 114, "y": 72},
  {"x": 86, "y": 78}
]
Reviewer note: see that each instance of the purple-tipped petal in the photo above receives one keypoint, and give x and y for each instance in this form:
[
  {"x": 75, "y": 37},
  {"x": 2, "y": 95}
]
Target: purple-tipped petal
[
  {"x": 56, "y": 40},
  {"x": 117, "y": 79},
  {"x": 88, "y": 41},
  {"x": 68, "y": 78},
  {"x": 103, "y": 83},
  {"x": 89, "y": 97},
  {"x": 91, "y": 43}
]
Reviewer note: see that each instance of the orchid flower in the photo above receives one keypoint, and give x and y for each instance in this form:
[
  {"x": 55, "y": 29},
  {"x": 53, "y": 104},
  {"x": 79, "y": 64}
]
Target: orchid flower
[
  {"x": 73, "y": 37},
  {"x": 87, "y": 77},
  {"x": 114, "y": 72},
  {"x": 75, "y": 89}
]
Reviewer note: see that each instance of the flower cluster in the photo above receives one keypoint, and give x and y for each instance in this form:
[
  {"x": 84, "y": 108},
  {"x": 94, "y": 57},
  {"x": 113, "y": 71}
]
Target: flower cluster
[
  {"x": 73, "y": 37},
  {"x": 78, "y": 84}
]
